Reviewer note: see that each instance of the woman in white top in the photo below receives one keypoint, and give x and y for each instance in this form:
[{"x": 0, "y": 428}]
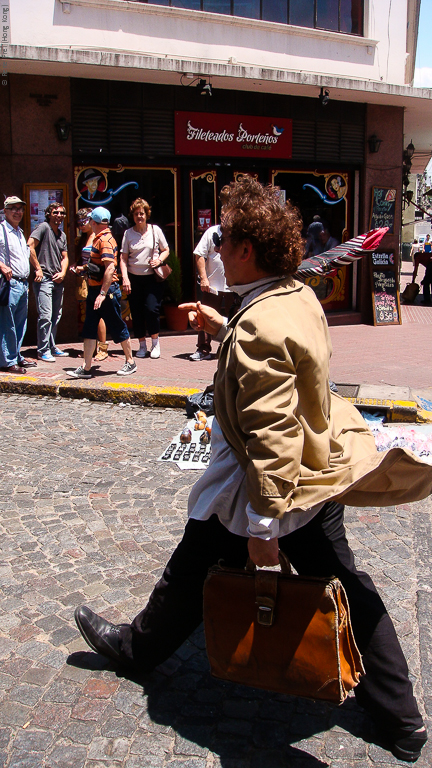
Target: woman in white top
[{"x": 144, "y": 247}]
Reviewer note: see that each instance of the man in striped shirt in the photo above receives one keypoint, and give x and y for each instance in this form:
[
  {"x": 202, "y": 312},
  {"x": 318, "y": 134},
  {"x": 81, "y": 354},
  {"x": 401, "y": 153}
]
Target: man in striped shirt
[{"x": 103, "y": 298}]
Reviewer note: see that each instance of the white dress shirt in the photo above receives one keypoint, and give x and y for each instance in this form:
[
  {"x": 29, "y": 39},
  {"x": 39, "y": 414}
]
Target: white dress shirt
[{"x": 19, "y": 252}]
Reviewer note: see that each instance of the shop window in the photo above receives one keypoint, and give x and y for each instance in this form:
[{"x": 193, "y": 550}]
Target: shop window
[
  {"x": 203, "y": 201},
  {"x": 116, "y": 188},
  {"x": 335, "y": 15},
  {"x": 322, "y": 197}
]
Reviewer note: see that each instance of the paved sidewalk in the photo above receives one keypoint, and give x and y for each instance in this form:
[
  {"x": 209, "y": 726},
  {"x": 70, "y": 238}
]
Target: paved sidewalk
[
  {"x": 87, "y": 514},
  {"x": 393, "y": 361}
]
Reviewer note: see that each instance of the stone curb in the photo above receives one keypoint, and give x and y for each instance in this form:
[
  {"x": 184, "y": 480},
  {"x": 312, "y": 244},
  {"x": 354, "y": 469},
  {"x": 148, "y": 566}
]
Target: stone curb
[
  {"x": 108, "y": 392},
  {"x": 396, "y": 410},
  {"x": 175, "y": 397}
]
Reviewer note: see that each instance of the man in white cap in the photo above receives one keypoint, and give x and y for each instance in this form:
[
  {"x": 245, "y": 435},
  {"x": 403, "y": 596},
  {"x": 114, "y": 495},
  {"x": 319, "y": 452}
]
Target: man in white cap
[
  {"x": 15, "y": 267},
  {"x": 48, "y": 244},
  {"x": 103, "y": 300}
]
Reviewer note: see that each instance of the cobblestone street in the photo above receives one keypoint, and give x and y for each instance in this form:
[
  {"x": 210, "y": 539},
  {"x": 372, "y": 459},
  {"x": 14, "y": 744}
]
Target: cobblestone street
[{"x": 89, "y": 515}]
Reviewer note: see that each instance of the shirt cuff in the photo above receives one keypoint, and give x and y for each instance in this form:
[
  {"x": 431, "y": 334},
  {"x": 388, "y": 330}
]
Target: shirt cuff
[
  {"x": 222, "y": 331},
  {"x": 261, "y": 527}
]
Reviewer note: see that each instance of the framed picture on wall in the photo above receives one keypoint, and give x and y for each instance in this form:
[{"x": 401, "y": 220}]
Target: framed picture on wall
[{"x": 40, "y": 196}]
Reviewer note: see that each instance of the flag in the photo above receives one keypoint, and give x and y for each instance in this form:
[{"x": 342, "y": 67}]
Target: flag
[{"x": 341, "y": 255}]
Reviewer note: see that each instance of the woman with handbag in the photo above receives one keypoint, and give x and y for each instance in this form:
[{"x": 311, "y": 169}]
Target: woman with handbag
[
  {"x": 144, "y": 250},
  {"x": 83, "y": 250}
]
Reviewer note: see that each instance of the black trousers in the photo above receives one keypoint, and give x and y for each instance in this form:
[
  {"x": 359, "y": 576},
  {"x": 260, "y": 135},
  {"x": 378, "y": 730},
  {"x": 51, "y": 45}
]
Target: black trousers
[
  {"x": 145, "y": 301},
  {"x": 320, "y": 548}
]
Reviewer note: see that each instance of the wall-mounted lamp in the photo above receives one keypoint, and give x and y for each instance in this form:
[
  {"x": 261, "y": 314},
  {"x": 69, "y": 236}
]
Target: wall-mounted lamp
[
  {"x": 410, "y": 150},
  {"x": 204, "y": 88},
  {"x": 374, "y": 143},
  {"x": 324, "y": 97},
  {"x": 406, "y": 164},
  {"x": 409, "y": 194},
  {"x": 63, "y": 128}
]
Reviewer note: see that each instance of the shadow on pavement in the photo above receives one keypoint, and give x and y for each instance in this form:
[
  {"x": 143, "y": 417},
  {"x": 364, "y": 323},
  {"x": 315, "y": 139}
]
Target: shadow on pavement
[{"x": 243, "y": 726}]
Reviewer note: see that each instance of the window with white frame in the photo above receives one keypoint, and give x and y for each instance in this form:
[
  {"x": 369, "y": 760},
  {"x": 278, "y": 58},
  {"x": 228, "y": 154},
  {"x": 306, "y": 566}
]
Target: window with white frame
[{"x": 333, "y": 15}]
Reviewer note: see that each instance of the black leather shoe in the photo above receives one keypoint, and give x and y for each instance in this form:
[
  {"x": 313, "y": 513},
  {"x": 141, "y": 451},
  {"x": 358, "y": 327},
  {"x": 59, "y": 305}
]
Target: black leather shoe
[
  {"x": 26, "y": 363},
  {"x": 408, "y": 747},
  {"x": 15, "y": 369},
  {"x": 102, "y": 636}
]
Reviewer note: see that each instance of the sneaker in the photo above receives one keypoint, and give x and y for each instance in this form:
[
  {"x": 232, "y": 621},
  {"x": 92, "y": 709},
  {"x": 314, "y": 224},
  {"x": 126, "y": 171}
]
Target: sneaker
[
  {"x": 46, "y": 357},
  {"x": 142, "y": 352},
  {"x": 127, "y": 369},
  {"x": 200, "y": 356},
  {"x": 59, "y": 353},
  {"x": 80, "y": 373},
  {"x": 155, "y": 351}
]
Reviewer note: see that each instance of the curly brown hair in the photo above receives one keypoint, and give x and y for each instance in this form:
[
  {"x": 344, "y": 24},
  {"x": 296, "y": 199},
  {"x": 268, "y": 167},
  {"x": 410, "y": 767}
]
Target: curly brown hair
[
  {"x": 140, "y": 203},
  {"x": 251, "y": 211}
]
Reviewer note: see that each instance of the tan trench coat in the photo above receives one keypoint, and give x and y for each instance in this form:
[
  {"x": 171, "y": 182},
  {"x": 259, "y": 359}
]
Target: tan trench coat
[{"x": 298, "y": 443}]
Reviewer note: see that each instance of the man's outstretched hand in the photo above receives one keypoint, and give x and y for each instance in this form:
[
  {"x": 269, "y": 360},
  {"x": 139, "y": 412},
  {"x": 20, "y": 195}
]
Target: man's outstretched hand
[
  {"x": 203, "y": 318},
  {"x": 263, "y": 552}
]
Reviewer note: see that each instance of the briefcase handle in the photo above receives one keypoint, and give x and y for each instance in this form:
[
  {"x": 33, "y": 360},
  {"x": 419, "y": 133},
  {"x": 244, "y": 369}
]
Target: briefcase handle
[{"x": 283, "y": 561}]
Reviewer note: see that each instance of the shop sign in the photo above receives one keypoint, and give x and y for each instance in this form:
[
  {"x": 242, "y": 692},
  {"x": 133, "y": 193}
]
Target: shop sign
[{"x": 201, "y": 133}]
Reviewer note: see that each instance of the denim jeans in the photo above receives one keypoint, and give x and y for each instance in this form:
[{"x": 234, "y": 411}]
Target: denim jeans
[
  {"x": 13, "y": 323},
  {"x": 49, "y": 301}
]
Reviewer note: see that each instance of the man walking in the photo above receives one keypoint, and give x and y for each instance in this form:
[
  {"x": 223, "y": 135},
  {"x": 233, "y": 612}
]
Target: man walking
[
  {"x": 286, "y": 455},
  {"x": 212, "y": 287},
  {"x": 15, "y": 266},
  {"x": 103, "y": 300},
  {"x": 48, "y": 244}
]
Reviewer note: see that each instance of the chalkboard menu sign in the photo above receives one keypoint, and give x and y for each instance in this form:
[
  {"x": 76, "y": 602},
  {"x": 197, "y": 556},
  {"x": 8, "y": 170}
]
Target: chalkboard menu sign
[
  {"x": 385, "y": 289},
  {"x": 383, "y": 208}
]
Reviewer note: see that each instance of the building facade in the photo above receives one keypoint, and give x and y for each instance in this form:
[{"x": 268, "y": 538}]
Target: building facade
[{"x": 107, "y": 100}]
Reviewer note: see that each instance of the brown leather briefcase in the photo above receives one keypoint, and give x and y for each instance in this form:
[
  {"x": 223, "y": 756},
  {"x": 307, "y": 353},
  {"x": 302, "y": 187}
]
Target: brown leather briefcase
[{"x": 281, "y": 632}]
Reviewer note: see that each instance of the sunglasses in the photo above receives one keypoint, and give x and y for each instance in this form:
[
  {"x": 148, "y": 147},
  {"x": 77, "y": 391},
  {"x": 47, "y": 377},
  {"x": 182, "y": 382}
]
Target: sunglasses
[
  {"x": 58, "y": 213},
  {"x": 218, "y": 240},
  {"x": 15, "y": 209}
]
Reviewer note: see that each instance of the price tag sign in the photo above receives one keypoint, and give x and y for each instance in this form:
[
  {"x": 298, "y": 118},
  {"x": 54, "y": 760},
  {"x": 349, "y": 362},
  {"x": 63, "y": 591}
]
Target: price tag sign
[{"x": 385, "y": 289}]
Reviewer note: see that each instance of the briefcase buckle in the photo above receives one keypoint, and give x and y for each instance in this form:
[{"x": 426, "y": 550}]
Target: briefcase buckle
[{"x": 265, "y": 612}]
